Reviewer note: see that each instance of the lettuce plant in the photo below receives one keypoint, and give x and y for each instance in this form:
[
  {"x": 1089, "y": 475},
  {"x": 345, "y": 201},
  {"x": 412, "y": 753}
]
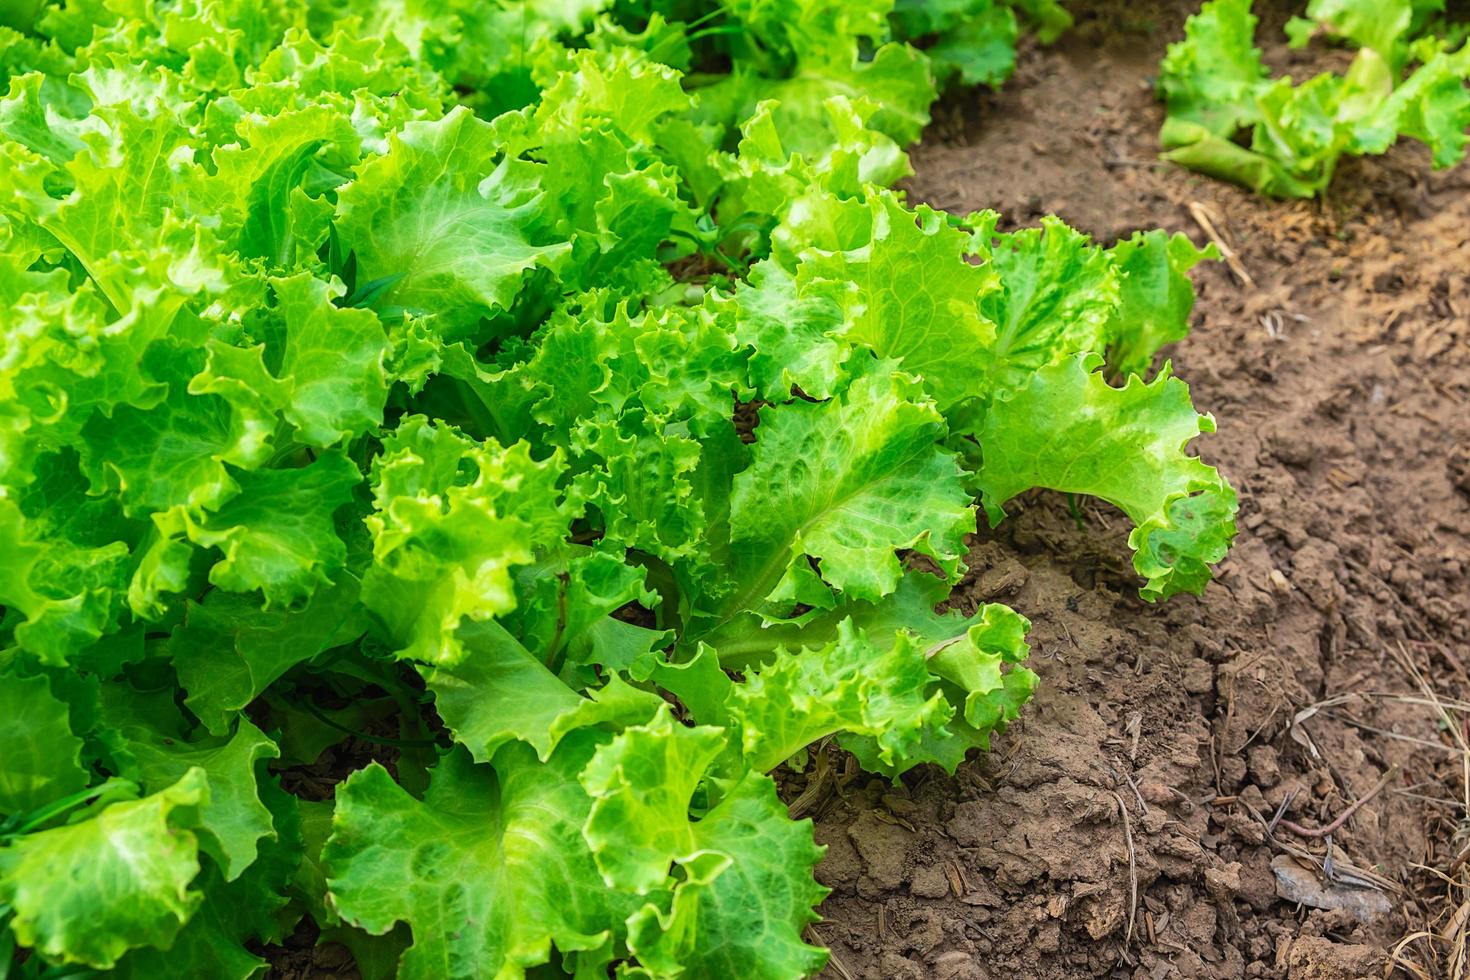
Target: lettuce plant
[
  {"x": 1229, "y": 118},
  {"x": 548, "y": 413}
]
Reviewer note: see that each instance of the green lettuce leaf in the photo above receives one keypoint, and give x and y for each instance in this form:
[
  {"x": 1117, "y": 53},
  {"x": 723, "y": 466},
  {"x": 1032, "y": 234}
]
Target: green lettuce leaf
[
  {"x": 80, "y": 893},
  {"x": 1069, "y": 430},
  {"x": 42, "y": 758},
  {"x": 1156, "y": 297},
  {"x": 1057, "y": 296},
  {"x": 450, "y": 224},
  {"x": 65, "y": 593},
  {"x": 499, "y": 692},
  {"x": 745, "y": 899},
  {"x": 489, "y": 869},
  {"x": 904, "y": 288},
  {"x": 269, "y": 539},
  {"x": 641, "y": 784},
  {"x": 868, "y": 686},
  {"x": 229, "y": 650},
  {"x": 444, "y": 544},
  {"x": 233, "y": 821},
  {"x": 1216, "y": 88},
  {"x": 846, "y": 483}
]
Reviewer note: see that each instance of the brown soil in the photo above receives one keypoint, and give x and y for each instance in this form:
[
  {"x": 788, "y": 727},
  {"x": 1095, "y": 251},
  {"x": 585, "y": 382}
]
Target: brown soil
[{"x": 1119, "y": 830}]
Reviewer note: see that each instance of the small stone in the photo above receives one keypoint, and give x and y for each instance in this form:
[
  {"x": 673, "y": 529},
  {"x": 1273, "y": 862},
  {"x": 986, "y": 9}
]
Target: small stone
[
  {"x": 1223, "y": 883},
  {"x": 883, "y": 848},
  {"x": 1319, "y": 958},
  {"x": 956, "y": 965},
  {"x": 1252, "y": 797},
  {"x": 1265, "y": 765},
  {"x": 1199, "y": 677},
  {"x": 899, "y": 968},
  {"x": 1005, "y": 579},
  {"x": 1154, "y": 792},
  {"x": 929, "y": 882},
  {"x": 1305, "y": 886},
  {"x": 1232, "y": 770}
]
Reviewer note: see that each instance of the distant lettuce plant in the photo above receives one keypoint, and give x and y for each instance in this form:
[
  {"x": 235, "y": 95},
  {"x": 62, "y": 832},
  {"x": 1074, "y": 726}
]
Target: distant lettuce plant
[{"x": 1229, "y": 118}]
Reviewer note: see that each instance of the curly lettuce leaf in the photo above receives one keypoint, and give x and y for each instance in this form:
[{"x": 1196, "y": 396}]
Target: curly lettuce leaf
[
  {"x": 745, "y": 898},
  {"x": 971, "y": 40},
  {"x": 860, "y": 685},
  {"x": 1069, "y": 430},
  {"x": 277, "y": 534},
  {"x": 42, "y": 758},
  {"x": 1155, "y": 299},
  {"x": 228, "y": 650},
  {"x": 59, "y": 597},
  {"x": 902, "y": 283},
  {"x": 499, "y": 693},
  {"x": 234, "y": 821},
  {"x": 1057, "y": 295},
  {"x": 975, "y": 673},
  {"x": 847, "y": 484},
  {"x": 80, "y": 893},
  {"x": 898, "y": 683},
  {"x": 737, "y": 860},
  {"x": 220, "y": 938},
  {"x": 641, "y": 784},
  {"x": 452, "y": 518},
  {"x": 448, "y": 223},
  {"x": 489, "y": 869}
]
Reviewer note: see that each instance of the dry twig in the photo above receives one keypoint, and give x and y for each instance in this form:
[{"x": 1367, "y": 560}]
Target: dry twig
[
  {"x": 833, "y": 960},
  {"x": 1132, "y": 871},
  {"x": 1207, "y": 220}
]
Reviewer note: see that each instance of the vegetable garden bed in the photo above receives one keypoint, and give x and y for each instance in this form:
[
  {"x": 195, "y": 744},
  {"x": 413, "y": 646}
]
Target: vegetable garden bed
[{"x": 444, "y": 538}]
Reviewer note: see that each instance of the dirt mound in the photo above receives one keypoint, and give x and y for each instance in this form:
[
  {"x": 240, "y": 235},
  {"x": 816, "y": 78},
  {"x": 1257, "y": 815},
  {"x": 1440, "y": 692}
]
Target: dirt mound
[{"x": 1121, "y": 829}]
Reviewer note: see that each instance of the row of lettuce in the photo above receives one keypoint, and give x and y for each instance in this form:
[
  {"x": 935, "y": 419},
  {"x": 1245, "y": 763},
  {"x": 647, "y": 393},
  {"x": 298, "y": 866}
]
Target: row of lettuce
[
  {"x": 1230, "y": 117},
  {"x": 544, "y": 411}
]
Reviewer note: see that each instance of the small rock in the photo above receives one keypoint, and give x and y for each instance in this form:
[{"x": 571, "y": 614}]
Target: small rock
[
  {"x": 1252, "y": 797},
  {"x": 929, "y": 883},
  {"x": 926, "y": 933},
  {"x": 1319, "y": 958},
  {"x": 901, "y": 807},
  {"x": 1303, "y": 885},
  {"x": 1223, "y": 883},
  {"x": 1294, "y": 788},
  {"x": 883, "y": 847},
  {"x": 956, "y": 965},
  {"x": 1154, "y": 792},
  {"x": 1265, "y": 765},
  {"x": 1257, "y": 886},
  {"x": 1288, "y": 446},
  {"x": 1199, "y": 677},
  {"x": 900, "y": 968},
  {"x": 1005, "y": 579},
  {"x": 1232, "y": 770},
  {"x": 1180, "y": 846}
]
